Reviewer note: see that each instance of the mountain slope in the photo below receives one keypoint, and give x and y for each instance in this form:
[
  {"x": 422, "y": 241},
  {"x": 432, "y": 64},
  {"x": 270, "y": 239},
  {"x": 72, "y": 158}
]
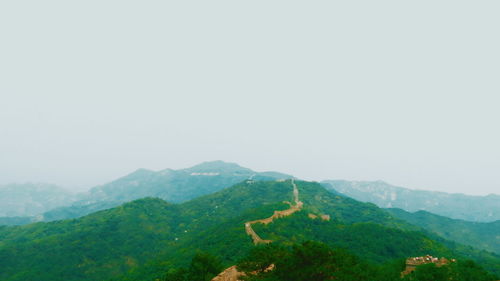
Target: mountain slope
[
  {"x": 457, "y": 206},
  {"x": 363, "y": 228},
  {"x": 143, "y": 238},
  {"x": 484, "y": 236},
  {"x": 171, "y": 185},
  {"x": 176, "y": 185},
  {"x": 22, "y": 200}
]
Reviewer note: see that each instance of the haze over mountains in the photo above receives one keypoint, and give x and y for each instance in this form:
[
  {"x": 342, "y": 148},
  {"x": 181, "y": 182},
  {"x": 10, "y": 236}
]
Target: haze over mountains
[
  {"x": 336, "y": 94},
  {"x": 31, "y": 199},
  {"x": 176, "y": 185},
  {"x": 29, "y": 203},
  {"x": 171, "y": 185},
  {"x": 457, "y": 206}
]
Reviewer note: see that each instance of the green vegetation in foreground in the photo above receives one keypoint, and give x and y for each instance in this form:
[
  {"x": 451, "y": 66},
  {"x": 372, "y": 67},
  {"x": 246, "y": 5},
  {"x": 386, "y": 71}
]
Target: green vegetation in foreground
[
  {"x": 317, "y": 261},
  {"x": 143, "y": 239},
  {"x": 203, "y": 267}
]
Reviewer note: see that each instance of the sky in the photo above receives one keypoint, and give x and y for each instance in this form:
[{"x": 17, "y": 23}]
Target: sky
[{"x": 401, "y": 91}]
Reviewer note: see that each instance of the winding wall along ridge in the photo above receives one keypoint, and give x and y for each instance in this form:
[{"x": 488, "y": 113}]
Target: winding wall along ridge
[{"x": 297, "y": 206}]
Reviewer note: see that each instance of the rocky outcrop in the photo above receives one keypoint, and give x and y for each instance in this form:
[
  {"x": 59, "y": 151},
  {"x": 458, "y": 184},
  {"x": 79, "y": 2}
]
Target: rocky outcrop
[
  {"x": 412, "y": 263},
  {"x": 323, "y": 217},
  {"x": 230, "y": 274}
]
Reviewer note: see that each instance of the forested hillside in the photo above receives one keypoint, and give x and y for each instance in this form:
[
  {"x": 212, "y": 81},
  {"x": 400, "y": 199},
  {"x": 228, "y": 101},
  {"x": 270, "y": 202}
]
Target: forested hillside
[
  {"x": 141, "y": 239},
  {"x": 484, "y": 236}
]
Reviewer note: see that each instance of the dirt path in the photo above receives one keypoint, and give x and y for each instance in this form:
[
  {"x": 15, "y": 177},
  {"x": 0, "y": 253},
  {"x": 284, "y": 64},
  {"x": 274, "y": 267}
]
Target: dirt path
[{"x": 297, "y": 206}]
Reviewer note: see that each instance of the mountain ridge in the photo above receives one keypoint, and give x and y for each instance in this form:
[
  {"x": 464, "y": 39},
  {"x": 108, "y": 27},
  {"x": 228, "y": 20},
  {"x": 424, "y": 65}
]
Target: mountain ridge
[
  {"x": 481, "y": 235},
  {"x": 452, "y": 205},
  {"x": 172, "y": 185}
]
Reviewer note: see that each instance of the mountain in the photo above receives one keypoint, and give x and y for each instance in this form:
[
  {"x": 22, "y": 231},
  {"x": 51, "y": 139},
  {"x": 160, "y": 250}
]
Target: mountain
[
  {"x": 29, "y": 199},
  {"x": 142, "y": 239},
  {"x": 176, "y": 185},
  {"x": 484, "y": 236},
  {"x": 171, "y": 185},
  {"x": 456, "y": 206}
]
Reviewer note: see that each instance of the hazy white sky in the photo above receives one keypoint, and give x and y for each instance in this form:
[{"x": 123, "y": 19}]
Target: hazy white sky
[{"x": 403, "y": 91}]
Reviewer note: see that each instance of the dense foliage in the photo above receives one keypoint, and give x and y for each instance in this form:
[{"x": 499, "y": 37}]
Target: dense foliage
[
  {"x": 309, "y": 261},
  {"x": 316, "y": 261},
  {"x": 203, "y": 267},
  {"x": 143, "y": 239},
  {"x": 374, "y": 242},
  {"x": 484, "y": 236}
]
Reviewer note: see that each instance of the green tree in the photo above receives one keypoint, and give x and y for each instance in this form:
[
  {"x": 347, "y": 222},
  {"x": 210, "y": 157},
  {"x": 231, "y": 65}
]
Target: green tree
[
  {"x": 204, "y": 267},
  {"x": 307, "y": 261},
  {"x": 180, "y": 274}
]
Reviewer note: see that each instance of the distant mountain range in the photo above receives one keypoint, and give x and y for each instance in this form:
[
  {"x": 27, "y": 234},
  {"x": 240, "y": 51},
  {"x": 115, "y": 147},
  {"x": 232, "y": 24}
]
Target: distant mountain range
[
  {"x": 25, "y": 203},
  {"x": 175, "y": 185},
  {"x": 456, "y": 206},
  {"x": 143, "y": 239},
  {"x": 30, "y": 199},
  {"x": 171, "y": 185}
]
